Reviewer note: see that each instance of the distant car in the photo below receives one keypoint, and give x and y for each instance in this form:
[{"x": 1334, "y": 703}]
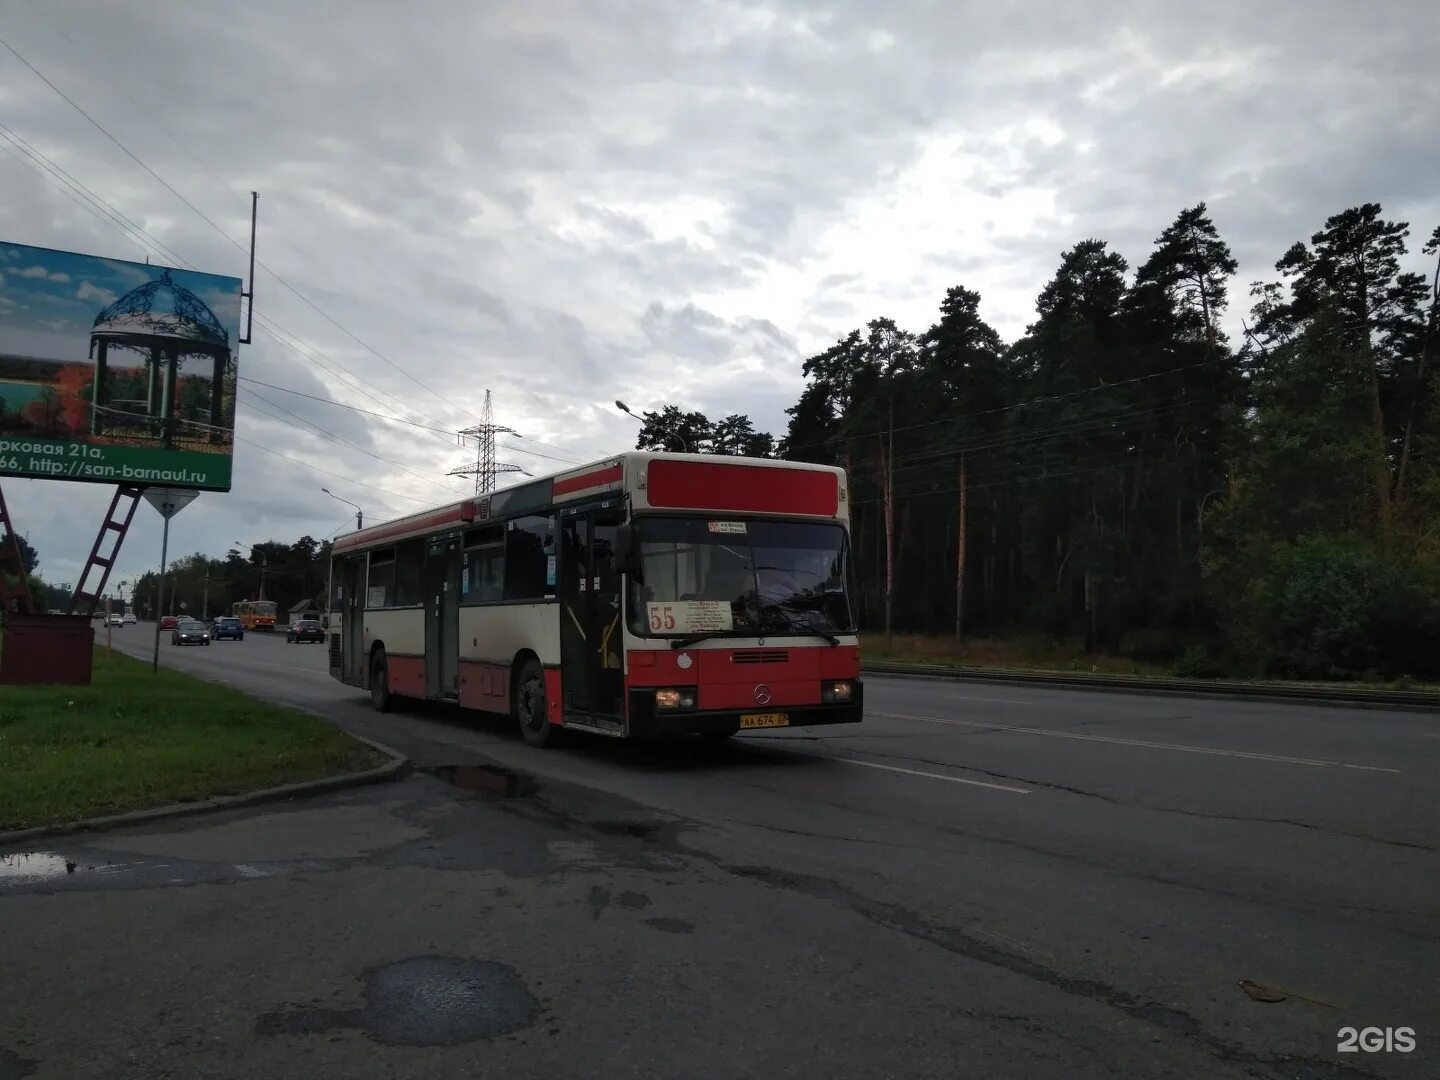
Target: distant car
[
  {"x": 305, "y": 630},
  {"x": 116, "y": 620},
  {"x": 190, "y": 632},
  {"x": 227, "y": 626},
  {"x": 129, "y": 619},
  {"x": 167, "y": 622}
]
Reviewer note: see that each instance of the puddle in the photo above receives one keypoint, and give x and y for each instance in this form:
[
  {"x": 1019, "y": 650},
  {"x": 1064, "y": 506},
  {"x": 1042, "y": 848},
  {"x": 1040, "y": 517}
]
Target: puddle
[
  {"x": 34, "y": 866},
  {"x": 425, "y": 1001},
  {"x": 487, "y": 781}
]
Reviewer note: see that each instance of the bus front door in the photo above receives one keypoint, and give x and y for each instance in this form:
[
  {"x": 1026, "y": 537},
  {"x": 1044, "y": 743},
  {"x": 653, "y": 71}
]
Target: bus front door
[
  {"x": 591, "y": 638},
  {"x": 352, "y": 620},
  {"x": 442, "y": 617}
]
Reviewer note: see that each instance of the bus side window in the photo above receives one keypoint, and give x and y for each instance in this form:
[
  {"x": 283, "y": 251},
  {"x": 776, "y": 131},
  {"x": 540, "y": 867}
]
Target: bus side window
[
  {"x": 528, "y": 543},
  {"x": 380, "y": 586},
  {"x": 409, "y": 573}
]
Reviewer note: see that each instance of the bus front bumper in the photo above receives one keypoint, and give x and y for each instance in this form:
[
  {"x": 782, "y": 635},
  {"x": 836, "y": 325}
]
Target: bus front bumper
[{"x": 645, "y": 719}]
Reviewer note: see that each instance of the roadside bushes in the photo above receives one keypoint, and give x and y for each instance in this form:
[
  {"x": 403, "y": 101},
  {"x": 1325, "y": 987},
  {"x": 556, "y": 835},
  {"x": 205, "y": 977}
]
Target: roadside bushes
[{"x": 1330, "y": 608}]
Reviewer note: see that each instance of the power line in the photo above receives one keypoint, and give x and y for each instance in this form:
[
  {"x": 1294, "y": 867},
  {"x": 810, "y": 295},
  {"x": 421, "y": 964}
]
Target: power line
[
  {"x": 318, "y": 430},
  {"x": 145, "y": 239},
  {"x": 209, "y": 221},
  {"x": 1078, "y": 428},
  {"x": 341, "y": 405},
  {"x": 536, "y": 453},
  {"x": 327, "y": 472},
  {"x": 87, "y": 198},
  {"x": 999, "y": 409}
]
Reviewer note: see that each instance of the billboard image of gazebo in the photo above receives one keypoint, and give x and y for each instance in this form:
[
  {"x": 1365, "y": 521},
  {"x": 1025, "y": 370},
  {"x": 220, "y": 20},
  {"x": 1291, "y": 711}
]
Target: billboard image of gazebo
[
  {"x": 116, "y": 371},
  {"x": 162, "y": 368}
]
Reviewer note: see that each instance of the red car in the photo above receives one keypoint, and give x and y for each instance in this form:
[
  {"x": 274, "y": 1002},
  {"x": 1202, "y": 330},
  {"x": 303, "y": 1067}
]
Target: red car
[{"x": 168, "y": 622}]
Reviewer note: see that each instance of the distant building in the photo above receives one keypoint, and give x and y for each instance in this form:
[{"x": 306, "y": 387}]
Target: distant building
[{"x": 305, "y": 609}]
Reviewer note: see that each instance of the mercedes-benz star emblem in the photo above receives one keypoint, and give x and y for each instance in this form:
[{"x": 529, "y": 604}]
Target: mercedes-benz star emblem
[{"x": 762, "y": 695}]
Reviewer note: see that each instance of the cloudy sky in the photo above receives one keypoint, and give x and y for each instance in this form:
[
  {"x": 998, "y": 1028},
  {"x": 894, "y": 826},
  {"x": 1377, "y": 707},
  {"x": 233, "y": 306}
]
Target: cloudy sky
[{"x": 568, "y": 203}]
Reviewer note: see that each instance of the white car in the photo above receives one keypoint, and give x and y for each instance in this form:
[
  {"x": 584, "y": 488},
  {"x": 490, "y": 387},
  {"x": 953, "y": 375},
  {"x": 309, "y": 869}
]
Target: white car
[
  {"x": 129, "y": 619},
  {"x": 116, "y": 620}
]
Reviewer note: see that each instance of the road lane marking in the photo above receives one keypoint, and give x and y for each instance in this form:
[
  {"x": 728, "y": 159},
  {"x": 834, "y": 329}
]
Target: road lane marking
[
  {"x": 995, "y": 700},
  {"x": 930, "y": 775},
  {"x": 1143, "y": 743}
]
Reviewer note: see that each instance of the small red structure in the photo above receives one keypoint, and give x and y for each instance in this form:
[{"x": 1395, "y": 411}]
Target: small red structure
[{"x": 56, "y": 649}]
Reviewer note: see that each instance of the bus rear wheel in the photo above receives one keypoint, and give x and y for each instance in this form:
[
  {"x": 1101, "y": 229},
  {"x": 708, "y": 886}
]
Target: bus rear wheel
[
  {"x": 529, "y": 706},
  {"x": 380, "y": 682}
]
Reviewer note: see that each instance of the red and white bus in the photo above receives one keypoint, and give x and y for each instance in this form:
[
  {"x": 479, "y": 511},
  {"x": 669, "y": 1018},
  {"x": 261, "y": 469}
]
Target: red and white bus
[{"x": 643, "y": 594}]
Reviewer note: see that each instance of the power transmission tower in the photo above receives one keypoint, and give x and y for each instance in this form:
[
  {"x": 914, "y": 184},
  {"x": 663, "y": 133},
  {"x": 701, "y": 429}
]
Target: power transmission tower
[{"x": 486, "y": 468}]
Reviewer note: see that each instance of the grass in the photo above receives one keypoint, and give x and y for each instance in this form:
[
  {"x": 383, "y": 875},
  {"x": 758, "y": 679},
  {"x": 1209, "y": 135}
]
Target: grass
[
  {"x": 1038, "y": 653},
  {"x": 135, "y": 739}
]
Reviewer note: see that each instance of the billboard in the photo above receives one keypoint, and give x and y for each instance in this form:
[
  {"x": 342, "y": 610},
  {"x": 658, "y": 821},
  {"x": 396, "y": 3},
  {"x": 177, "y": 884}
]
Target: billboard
[{"x": 116, "y": 372}]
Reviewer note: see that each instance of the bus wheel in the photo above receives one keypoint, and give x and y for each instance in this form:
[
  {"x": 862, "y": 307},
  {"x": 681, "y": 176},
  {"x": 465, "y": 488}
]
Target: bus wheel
[
  {"x": 529, "y": 708},
  {"x": 379, "y": 682}
]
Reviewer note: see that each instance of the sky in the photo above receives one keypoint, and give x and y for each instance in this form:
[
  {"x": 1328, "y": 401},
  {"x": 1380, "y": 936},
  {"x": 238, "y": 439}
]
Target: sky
[
  {"x": 569, "y": 203},
  {"x": 49, "y": 300}
]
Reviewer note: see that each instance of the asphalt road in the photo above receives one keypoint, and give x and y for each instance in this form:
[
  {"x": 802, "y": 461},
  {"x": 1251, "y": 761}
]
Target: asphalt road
[{"x": 980, "y": 880}]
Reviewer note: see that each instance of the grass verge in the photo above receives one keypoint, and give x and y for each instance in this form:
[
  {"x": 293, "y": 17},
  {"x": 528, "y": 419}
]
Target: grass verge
[
  {"x": 1036, "y": 653},
  {"x": 1026, "y": 652},
  {"x": 135, "y": 739}
]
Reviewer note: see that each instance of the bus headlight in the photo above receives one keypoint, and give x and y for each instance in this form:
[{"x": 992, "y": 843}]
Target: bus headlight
[
  {"x": 674, "y": 699},
  {"x": 836, "y": 693}
]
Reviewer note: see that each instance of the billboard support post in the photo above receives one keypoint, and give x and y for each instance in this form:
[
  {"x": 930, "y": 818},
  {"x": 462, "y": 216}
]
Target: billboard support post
[
  {"x": 164, "y": 551},
  {"x": 249, "y": 294},
  {"x": 169, "y": 501}
]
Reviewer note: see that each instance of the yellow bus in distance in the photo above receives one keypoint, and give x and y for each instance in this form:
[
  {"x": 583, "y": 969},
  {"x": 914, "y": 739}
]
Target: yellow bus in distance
[{"x": 256, "y": 614}]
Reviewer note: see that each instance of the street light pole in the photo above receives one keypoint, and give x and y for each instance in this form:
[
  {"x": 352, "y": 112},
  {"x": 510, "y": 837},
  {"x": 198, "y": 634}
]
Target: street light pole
[
  {"x": 359, "y": 514},
  {"x": 684, "y": 446}
]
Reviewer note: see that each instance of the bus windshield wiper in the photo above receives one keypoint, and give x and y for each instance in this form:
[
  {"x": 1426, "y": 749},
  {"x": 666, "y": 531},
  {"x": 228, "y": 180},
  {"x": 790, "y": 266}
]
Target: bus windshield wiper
[
  {"x": 787, "y": 626},
  {"x": 831, "y": 638},
  {"x": 680, "y": 643}
]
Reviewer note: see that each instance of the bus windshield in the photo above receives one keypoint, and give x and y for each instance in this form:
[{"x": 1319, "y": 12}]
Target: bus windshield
[{"x": 745, "y": 577}]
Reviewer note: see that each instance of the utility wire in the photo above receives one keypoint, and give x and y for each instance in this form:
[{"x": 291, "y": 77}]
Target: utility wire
[
  {"x": 87, "y": 198},
  {"x": 327, "y": 472},
  {"x": 318, "y": 430},
  {"x": 209, "y": 221},
  {"x": 999, "y": 409}
]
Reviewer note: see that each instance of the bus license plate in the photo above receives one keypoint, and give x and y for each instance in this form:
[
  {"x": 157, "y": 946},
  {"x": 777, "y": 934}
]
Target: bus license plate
[{"x": 764, "y": 719}]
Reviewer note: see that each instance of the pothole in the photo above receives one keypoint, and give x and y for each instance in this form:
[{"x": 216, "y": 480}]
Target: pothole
[
  {"x": 487, "y": 781},
  {"x": 424, "y": 1001}
]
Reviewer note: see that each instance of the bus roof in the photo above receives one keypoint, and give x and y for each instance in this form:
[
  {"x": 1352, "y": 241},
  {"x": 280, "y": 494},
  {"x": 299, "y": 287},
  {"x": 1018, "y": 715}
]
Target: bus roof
[{"x": 658, "y": 481}]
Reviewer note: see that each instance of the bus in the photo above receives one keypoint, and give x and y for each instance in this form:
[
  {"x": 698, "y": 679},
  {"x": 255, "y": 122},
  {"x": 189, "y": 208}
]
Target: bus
[
  {"x": 256, "y": 614},
  {"x": 644, "y": 594}
]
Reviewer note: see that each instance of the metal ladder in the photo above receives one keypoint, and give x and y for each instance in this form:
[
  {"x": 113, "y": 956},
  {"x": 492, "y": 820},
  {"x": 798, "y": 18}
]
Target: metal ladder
[
  {"x": 83, "y": 599},
  {"x": 14, "y": 586}
]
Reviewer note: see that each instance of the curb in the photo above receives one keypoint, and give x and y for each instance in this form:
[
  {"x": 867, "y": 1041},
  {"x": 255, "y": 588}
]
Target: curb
[
  {"x": 396, "y": 767},
  {"x": 1401, "y": 700}
]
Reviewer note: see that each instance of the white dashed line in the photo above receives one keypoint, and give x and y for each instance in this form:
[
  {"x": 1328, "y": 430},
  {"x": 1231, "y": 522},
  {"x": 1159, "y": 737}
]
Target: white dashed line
[
  {"x": 930, "y": 775},
  {"x": 1144, "y": 744}
]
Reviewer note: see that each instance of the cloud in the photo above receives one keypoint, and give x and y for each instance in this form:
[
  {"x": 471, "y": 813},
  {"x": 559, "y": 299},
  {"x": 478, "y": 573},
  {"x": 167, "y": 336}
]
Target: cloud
[
  {"x": 89, "y": 291},
  {"x": 569, "y": 203}
]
